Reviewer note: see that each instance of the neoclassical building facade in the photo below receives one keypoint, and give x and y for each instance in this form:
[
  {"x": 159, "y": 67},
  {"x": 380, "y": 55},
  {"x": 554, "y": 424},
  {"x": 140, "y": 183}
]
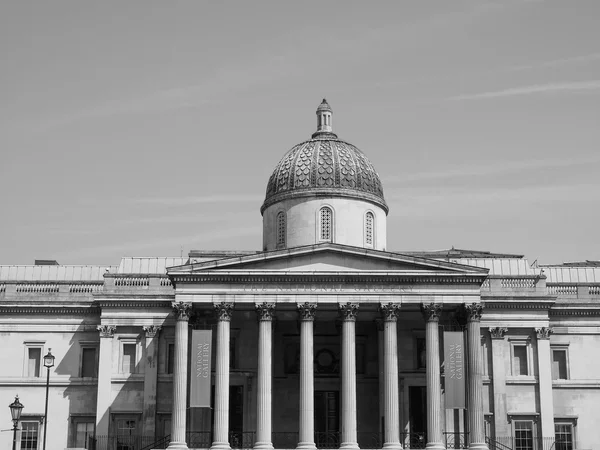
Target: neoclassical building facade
[{"x": 324, "y": 338}]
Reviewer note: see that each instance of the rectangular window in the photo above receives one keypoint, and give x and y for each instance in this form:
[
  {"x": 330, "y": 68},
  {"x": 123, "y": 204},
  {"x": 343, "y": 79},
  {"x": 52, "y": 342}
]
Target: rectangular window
[
  {"x": 88, "y": 362},
  {"x": 523, "y": 435},
  {"x": 520, "y": 364},
  {"x": 128, "y": 358},
  {"x": 34, "y": 355},
  {"x": 126, "y": 433},
  {"x": 83, "y": 431},
  {"x": 29, "y": 435},
  {"x": 559, "y": 364},
  {"x": 563, "y": 436},
  {"x": 170, "y": 357}
]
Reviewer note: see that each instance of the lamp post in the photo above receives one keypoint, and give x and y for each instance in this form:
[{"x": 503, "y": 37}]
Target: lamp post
[
  {"x": 15, "y": 412},
  {"x": 48, "y": 362}
]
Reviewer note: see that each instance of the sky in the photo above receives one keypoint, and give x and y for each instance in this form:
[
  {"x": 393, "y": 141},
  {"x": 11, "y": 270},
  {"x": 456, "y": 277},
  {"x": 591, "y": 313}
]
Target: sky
[{"x": 149, "y": 128}]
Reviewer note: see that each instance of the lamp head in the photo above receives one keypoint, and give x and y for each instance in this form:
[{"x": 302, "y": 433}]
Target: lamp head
[
  {"x": 49, "y": 359},
  {"x": 15, "y": 409}
]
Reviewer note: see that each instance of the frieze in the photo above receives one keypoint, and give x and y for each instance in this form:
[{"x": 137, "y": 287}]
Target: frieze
[
  {"x": 431, "y": 311},
  {"x": 106, "y": 331},
  {"x": 307, "y": 310}
]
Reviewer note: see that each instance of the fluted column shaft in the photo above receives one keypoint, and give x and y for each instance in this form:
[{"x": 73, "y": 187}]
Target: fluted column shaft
[
  {"x": 391, "y": 408},
  {"x": 307, "y": 400},
  {"x": 182, "y": 314},
  {"x": 221, "y": 409},
  {"x": 431, "y": 313},
  {"x": 475, "y": 410},
  {"x": 265, "y": 313},
  {"x": 349, "y": 431}
]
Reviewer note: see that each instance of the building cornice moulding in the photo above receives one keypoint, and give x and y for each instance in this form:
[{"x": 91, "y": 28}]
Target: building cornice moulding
[{"x": 50, "y": 309}]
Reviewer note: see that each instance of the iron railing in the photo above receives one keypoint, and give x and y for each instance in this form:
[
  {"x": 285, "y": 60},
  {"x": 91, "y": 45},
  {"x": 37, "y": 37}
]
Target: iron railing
[
  {"x": 456, "y": 440},
  {"x": 413, "y": 440}
]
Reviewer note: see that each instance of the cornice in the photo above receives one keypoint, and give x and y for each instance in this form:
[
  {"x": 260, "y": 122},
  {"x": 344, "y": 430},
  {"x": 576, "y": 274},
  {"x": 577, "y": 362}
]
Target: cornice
[
  {"x": 528, "y": 303},
  {"x": 133, "y": 296},
  {"x": 50, "y": 309},
  {"x": 591, "y": 310},
  {"x": 135, "y": 304}
]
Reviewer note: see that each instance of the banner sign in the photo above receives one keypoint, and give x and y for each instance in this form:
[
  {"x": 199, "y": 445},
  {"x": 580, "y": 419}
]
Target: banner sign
[
  {"x": 200, "y": 385},
  {"x": 454, "y": 369}
]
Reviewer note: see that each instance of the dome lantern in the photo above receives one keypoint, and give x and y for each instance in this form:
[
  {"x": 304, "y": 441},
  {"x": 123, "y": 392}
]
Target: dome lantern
[{"x": 324, "y": 115}]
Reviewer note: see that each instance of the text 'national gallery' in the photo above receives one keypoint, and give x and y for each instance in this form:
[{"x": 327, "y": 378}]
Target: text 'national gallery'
[{"x": 323, "y": 339}]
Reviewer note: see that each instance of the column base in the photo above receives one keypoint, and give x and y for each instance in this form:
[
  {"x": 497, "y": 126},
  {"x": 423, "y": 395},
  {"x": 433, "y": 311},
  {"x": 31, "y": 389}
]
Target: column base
[
  {"x": 174, "y": 445},
  {"x": 220, "y": 446},
  {"x": 306, "y": 446},
  {"x": 263, "y": 446},
  {"x": 478, "y": 446},
  {"x": 392, "y": 446},
  {"x": 435, "y": 446},
  {"x": 349, "y": 446}
]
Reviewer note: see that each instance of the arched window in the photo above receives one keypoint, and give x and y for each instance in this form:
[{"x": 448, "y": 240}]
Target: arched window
[
  {"x": 326, "y": 224},
  {"x": 280, "y": 229},
  {"x": 369, "y": 225}
]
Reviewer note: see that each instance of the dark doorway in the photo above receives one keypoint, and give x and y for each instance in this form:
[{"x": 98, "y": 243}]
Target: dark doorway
[
  {"x": 417, "y": 398},
  {"x": 236, "y": 417},
  {"x": 327, "y": 419}
]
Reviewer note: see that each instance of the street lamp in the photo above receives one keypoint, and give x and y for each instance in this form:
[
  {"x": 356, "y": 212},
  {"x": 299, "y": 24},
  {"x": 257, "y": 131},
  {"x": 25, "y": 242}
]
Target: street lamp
[
  {"x": 15, "y": 412},
  {"x": 48, "y": 362}
]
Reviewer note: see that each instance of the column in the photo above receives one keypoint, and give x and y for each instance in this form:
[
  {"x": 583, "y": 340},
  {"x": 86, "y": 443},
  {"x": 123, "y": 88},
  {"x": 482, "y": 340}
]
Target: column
[
  {"x": 221, "y": 410},
  {"x": 182, "y": 316},
  {"x": 432, "y": 312},
  {"x": 104, "y": 379},
  {"x": 391, "y": 407},
  {"x": 306, "y": 436},
  {"x": 475, "y": 378},
  {"x": 380, "y": 381},
  {"x": 265, "y": 313},
  {"x": 348, "y": 312},
  {"x": 150, "y": 378},
  {"x": 499, "y": 351},
  {"x": 545, "y": 383}
]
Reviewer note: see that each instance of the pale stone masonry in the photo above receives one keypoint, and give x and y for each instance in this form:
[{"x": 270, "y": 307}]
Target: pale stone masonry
[{"x": 324, "y": 338}]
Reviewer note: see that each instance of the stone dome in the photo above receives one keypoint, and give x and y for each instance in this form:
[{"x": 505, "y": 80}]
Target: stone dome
[{"x": 324, "y": 166}]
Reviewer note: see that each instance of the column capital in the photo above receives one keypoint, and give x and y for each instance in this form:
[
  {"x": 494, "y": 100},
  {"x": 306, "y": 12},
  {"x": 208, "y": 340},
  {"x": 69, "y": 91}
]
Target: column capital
[
  {"x": 474, "y": 311},
  {"x": 544, "y": 332},
  {"x": 498, "y": 332},
  {"x": 307, "y": 311},
  {"x": 431, "y": 311},
  {"x": 106, "y": 331},
  {"x": 151, "y": 330},
  {"x": 224, "y": 311},
  {"x": 348, "y": 311},
  {"x": 265, "y": 311},
  {"x": 389, "y": 311},
  {"x": 182, "y": 310}
]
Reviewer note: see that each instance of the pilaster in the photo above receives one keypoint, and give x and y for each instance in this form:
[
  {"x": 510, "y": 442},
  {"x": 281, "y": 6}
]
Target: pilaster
[
  {"x": 150, "y": 379},
  {"x": 103, "y": 403},
  {"x": 499, "y": 352},
  {"x": 545, "y": 382}
]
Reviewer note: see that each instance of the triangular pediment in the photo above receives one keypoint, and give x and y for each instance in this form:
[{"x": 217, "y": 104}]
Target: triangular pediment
[{"x": 326, "y": 258}]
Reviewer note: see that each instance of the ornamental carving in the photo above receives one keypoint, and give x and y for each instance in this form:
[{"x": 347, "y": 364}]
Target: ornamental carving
[
  {"x": 307, "y": 310},
  {"x": 431, "y": 311},
  {"x": 348, "y": 311},
  {"x": 151, "y": 330},
  {"x": 224, "y": 311},
  {"x": 473, "y": 311},
  {"x": 390, "y": 311},
  {"x": 182, "y": 310},
  {"x": 265, "y": 311},
  {"x": 544, "y": 332},
  {"x": 106, "y": 331},
  {"x": 498, "y": 332}
]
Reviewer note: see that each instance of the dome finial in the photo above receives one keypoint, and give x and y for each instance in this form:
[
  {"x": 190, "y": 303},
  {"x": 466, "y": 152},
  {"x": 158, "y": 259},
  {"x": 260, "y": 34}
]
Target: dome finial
[{"x": 324, "y": 113}]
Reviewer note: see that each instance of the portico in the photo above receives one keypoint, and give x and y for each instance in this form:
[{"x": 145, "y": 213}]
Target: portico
[{"x": 313, "y": 380}]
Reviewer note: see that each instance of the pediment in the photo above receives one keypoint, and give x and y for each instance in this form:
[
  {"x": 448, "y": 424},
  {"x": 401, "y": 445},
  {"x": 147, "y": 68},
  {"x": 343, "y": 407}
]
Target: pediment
[{"x": 327, "y": 258}]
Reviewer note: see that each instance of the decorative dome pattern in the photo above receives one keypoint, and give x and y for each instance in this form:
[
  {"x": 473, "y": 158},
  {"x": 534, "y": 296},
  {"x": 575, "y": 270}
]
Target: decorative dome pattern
[{"x": 324, "y": 166}]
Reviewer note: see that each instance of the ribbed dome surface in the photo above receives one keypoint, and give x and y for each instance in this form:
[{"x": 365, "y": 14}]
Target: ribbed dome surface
[{"x": 324, "y": 166}]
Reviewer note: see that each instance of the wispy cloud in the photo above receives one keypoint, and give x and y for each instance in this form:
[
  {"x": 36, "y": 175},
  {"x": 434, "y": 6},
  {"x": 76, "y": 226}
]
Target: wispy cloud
[{"x": 550, "y": 88}]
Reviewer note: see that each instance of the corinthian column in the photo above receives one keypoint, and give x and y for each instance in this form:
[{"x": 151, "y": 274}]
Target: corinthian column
[
  {"x": 432, "y": 312},
  {"x": 221, "y": 411},
  {"x": 265, "y": 313},
  {"x": 307, "y": 400},
  {"x": 476, "y": 417},
  {"x": 349, "y": 432},
  {"x": 182, "y": 315},
  {"x": 391, "y": 407}
]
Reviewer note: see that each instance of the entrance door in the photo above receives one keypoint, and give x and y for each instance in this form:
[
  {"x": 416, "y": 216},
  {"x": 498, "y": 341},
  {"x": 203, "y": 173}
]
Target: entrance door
[
  {"x": 327, "y": 419},
  {"x": 417, "y": 398}
]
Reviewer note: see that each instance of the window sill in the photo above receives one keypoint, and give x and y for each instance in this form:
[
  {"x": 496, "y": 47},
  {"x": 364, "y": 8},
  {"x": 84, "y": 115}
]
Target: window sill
[
  {"x": 521, "y": 380},
  {"x": 125, "y": 377},
  {"x": 575, "y": 384}
]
